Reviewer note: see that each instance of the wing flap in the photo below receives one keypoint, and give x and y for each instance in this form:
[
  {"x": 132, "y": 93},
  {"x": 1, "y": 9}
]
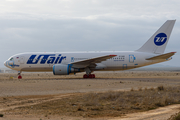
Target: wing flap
[{"x": 162, "y": 56}]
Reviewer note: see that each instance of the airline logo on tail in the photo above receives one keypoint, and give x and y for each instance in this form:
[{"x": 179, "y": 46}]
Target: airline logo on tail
[{"x": 160, "y": 39}]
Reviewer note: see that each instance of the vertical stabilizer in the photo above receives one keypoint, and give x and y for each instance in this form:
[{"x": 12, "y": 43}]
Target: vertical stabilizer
[{"x": 157, "y": 43}]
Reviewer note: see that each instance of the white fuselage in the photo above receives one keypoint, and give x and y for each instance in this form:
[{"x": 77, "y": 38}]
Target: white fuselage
[
  {"x": 39, "y": 62},
  {"x": 65, "y": 63}
]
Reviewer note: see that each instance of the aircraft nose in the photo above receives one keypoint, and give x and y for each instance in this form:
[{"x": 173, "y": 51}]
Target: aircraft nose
[{"x": 5, "y": 63}]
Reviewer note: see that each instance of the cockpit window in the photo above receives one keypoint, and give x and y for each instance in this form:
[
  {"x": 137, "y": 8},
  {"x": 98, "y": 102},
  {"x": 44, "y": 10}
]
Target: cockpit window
[{"x": 11, "y": 59}]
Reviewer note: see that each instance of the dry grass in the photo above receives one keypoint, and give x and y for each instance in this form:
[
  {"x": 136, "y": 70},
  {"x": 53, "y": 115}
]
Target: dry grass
[
  {"x": 145, "y": 88},
  {"x": 160, "y": 88},
  {"x": 175, "y": 117},
  {"x": 132, "y": 89},
  {"x": 1, "y": 115},
  {"x": 152, "y": 88},
  {"x": 140, "y": 88},
  {"x": 107, "y": 104}
]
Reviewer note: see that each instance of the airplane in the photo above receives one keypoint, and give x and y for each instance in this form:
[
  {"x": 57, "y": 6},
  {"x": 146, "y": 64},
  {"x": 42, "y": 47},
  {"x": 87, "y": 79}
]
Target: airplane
[{"x": 68, "y": 63}]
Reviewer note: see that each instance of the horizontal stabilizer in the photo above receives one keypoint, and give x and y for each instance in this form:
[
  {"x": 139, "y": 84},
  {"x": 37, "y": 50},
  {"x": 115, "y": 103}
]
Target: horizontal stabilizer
[{"x": 162, "y": 56}]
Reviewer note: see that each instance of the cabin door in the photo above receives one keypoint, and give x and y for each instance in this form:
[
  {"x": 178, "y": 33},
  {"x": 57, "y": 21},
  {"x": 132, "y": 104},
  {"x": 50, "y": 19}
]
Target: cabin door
[
  {"x": 22, "y": 60},
  {"x": 131, "y": 58}
]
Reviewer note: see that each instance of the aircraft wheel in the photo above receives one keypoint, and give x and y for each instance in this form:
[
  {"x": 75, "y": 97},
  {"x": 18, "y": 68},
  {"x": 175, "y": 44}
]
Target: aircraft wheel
[
  {"x": 93, "y": 76},
  {"x": 19, "y": 77},
  {"x": 90, "y": 75},
  {"x": 85, "y": 76}
]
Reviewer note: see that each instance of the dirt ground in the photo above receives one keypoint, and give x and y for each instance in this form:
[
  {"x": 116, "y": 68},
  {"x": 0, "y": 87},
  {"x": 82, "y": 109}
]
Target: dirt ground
[{"x": 38, "y": 88}]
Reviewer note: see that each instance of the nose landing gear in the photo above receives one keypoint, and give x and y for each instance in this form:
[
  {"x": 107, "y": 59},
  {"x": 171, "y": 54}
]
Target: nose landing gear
[{"x": 19, "y": 75}]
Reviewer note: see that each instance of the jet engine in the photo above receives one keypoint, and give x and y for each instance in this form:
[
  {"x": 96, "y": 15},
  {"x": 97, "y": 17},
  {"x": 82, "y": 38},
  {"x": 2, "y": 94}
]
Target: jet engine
[{"x": 61, "y": 69}]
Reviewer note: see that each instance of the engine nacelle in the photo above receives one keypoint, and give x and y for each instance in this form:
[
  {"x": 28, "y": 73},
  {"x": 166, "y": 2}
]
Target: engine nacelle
[{"x": 60, "y": 69}]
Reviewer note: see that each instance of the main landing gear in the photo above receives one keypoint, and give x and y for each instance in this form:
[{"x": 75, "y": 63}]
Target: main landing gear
[
  {"x": 19, "y": 75},
  {"x": 89, "y": 76},
  {"x": 88, "y": 73}
]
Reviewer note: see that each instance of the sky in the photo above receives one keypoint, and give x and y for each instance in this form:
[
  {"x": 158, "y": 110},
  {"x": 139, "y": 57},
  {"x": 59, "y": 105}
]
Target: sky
[{"x": 84, "y": 25}]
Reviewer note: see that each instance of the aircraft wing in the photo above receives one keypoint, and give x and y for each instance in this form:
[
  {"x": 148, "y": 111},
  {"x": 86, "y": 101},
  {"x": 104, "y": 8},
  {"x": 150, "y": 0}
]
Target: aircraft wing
[
  {"x": 91, "y": 62},
  {"x": 162, "y": 56}
]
